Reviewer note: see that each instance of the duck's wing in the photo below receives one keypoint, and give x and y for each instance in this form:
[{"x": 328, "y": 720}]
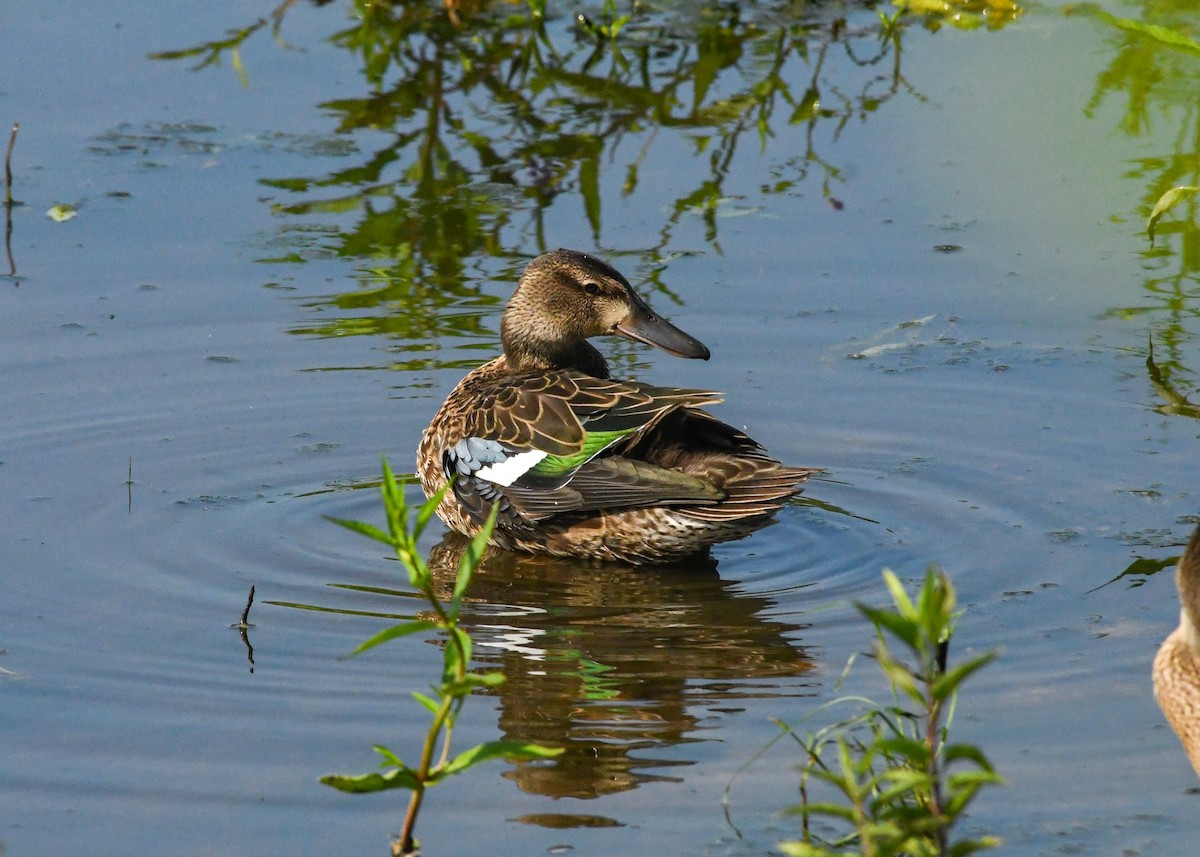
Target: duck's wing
[{"x": 533, "y": 442}]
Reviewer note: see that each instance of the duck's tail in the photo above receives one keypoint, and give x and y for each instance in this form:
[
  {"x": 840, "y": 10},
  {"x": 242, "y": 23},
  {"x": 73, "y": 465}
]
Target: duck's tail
[{"x": 754, "y": 488}]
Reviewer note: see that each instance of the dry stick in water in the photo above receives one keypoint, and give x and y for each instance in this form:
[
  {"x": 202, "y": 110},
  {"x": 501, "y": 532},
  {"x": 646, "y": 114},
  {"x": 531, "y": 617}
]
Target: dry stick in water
[
  {"x": 246, "y": 612},
  {"x": 244, "y": 627},
  {"x": 12, "y": 141}
]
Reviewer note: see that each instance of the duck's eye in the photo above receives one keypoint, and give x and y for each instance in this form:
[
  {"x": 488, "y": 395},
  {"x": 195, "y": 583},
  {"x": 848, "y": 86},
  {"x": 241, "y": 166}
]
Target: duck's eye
[{"x": 591, "y": 288}]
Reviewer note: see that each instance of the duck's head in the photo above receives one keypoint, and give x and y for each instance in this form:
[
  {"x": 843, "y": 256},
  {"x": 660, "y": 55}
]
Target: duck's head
[{"x": 565, "y": 297}]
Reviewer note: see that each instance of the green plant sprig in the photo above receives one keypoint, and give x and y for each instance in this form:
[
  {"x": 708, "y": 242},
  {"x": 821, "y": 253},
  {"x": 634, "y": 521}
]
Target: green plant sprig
[
  {"x": 897, "y": 785},
  {"x": 456, "y": 683}
]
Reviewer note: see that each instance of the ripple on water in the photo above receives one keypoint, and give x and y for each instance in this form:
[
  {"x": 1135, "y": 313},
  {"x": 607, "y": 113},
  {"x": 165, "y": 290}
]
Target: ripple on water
[{"x": 633, "y": 671}]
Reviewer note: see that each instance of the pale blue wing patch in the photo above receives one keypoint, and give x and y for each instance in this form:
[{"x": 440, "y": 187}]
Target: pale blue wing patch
[{"x": 477, "y": 457}]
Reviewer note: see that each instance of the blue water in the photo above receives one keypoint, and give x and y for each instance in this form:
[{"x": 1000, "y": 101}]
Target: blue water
[{"x": 196, "y": 375}]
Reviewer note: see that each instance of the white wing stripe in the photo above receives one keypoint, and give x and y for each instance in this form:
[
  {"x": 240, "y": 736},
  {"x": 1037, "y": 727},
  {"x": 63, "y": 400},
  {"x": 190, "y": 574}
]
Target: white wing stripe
[{"x": 511, "y": 469}]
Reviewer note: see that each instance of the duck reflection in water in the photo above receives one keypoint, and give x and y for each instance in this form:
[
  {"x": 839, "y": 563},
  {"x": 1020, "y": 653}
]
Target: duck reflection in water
[
  {"x": 1177, "y": 665},
  {"x": 617, "y": 665}
]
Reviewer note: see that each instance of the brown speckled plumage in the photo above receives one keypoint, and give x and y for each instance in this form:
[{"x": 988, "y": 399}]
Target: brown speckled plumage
[
  {"x": 623, "y": 471},
  {"x": 1177, "y": 665}
]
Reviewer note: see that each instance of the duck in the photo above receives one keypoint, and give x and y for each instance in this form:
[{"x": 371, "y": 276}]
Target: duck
[
  {"x": 1177, "y": 664},
  {"x": 580, "y": 464}
]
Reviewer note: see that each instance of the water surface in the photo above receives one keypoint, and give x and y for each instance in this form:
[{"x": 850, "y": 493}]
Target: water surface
[{"x": 921, "y": 268}]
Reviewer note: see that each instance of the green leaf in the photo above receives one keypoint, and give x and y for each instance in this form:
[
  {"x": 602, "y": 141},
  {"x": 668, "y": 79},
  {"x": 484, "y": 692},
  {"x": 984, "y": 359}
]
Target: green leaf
[
  {"x": 389, "y": 758},
  {"x": 427, "y": 511},
  {"x": 1165, "y": 203},
  {"x": 511, "y": 750},
  {"x": 365, "y": 529},
  {"x": 471, "y": 558},
  {"x": 972, "y": 780},
  {"x": 402, "y": 630},
  {"x": 916, "y": 752},
  {"x": 903, "y": 604},
  {"x": 431, "y": 704},
  {"x": 456, "y": 657},
  {"x": 398, "y": 778},
  {"x": 971, "y": 846},
  {"x": 935, "y": 606},
  {"x": 957, "y": 752},
  {"x": 418, "y": 571},
  {"x": 393, "y": 497},
  {"x": 900, "y": 676},
  {"x": 494, "y": 678},
  {"x": 831, "y": 809},
  {"x": 905, "y": 781},
  {"x": 904, "y": 629},
  {"x": 948, "y": 682}
]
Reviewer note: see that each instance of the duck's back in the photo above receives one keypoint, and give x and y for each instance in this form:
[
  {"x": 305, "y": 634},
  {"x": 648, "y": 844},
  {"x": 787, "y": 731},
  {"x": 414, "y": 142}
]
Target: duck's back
[{"x": 592, "y": 467}]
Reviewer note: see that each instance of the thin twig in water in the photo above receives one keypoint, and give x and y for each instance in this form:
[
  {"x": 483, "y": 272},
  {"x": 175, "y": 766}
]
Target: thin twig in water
[
  {"x": 244, "y": 626},
  {"x": 12, "y": 141},
  {"x": 8, "y": 203},
  {"x": 246, "y": 612}
]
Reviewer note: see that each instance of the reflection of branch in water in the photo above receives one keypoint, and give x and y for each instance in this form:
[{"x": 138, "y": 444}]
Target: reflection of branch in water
[
  {"x": 489, "y": 124},
  {"x": 496, "y": 118},
  {"x": 1140, "y": 569},
  {"x": 1176, "y": 403},
  {"x": 211, "y": 51}
]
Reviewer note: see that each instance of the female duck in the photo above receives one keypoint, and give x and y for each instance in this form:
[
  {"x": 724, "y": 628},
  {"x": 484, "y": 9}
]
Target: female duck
[
  {"x": 1177, "y": 665},
  {"x": 583, "y": 465}
]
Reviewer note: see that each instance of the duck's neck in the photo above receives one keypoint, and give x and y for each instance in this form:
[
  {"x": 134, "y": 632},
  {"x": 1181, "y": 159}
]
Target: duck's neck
[
  {"x": 541, "y": 346},
  {"x": 1187, "y": 578},
  {"x": 534, "y": 355}
]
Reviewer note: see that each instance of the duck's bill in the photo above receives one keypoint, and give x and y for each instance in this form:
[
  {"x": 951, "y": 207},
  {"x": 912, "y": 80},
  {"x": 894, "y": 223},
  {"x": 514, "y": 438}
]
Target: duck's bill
[{"x": 645, "y": 325}]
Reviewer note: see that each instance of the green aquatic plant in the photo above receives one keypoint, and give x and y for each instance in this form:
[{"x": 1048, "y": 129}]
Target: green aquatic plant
[
  {"x": 456, "y": 681},
  {"x": 887, "y": 781}
]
